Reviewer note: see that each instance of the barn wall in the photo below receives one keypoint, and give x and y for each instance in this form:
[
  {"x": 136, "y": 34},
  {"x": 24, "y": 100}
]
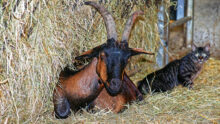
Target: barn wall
[{"x": 207, "y": 24}]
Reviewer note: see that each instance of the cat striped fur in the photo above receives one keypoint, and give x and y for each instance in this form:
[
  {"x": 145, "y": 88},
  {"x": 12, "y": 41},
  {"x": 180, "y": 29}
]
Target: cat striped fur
[{"x": 178, "y": 72}]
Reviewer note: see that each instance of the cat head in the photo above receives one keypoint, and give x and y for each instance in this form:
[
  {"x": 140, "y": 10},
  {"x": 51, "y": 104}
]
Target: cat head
[{"x": 201, "y": 54}]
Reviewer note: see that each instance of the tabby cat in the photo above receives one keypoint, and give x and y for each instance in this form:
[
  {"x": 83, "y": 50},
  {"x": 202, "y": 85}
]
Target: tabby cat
[{"x": 182, "y": 71}]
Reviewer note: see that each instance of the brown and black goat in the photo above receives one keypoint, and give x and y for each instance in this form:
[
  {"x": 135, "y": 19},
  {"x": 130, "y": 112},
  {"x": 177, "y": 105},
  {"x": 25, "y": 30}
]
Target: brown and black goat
[
  {"x": 129, "y": 91},
  {"x": 76, "y": 90}
]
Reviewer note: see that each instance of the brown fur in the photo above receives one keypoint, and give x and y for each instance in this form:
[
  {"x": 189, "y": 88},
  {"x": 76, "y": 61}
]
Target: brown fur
[
  {"x": 117, "y": 103},
  {"x": 82, "y": 86},
  {"x": 102, "y": 68}
]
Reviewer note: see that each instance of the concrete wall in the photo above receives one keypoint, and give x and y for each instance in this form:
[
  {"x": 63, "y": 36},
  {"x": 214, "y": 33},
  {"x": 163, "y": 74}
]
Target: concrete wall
[{"x": 207, "y": 24}]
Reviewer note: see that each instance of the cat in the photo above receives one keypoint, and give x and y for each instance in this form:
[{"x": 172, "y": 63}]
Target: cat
[{"x": 178, "y": 72}]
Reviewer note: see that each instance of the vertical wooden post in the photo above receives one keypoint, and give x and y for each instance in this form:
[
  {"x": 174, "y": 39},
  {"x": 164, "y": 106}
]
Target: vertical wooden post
[
  {"x": 189, "y": 25},
  {"x": 163, "y": 28},
  {"x": 180, "y": 9}
]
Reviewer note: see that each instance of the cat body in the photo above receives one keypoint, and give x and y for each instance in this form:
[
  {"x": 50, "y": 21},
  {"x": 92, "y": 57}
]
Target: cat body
[{"x": 178, "y": 72}]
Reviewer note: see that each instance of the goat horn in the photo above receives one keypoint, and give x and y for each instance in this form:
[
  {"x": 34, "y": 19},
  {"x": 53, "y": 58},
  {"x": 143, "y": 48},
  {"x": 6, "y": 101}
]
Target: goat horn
[
  {"x": 108, "y": 19},
  {"x": 129, "y": 24}
]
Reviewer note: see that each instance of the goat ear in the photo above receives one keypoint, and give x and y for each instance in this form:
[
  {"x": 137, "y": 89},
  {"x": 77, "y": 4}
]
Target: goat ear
[
  {"x": 137, "y": 51},
  {"x": 90, "y": 53}
]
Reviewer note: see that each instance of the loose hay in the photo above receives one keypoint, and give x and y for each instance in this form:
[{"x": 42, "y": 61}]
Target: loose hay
[{"x": 40, "y": 38}]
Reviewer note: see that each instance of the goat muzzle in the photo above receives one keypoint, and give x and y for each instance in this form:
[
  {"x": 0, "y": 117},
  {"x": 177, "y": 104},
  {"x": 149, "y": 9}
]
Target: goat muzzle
[{"x": 114, "y": 87}]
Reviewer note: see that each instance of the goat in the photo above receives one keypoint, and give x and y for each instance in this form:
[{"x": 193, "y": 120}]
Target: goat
[
  {"x": 76, "y": 90},
  {"x": 129, "y": 91}
]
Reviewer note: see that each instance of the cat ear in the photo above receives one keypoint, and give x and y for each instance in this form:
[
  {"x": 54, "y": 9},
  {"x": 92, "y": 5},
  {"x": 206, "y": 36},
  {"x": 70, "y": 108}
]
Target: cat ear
[
  {"x": 194, "y": 47},
  {"x": 207, "y": 47}
]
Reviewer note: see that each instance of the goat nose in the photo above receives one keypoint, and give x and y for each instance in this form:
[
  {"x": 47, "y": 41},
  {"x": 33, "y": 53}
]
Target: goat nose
[
  {"x": 115, "y": 81},
  {"x": 114, "y": 87}
]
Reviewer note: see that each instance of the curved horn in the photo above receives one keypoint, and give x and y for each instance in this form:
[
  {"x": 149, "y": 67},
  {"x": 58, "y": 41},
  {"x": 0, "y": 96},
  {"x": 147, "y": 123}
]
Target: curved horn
[
  {"x": 129, "y": 24},
  {"x": 108, "y": 19}
]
